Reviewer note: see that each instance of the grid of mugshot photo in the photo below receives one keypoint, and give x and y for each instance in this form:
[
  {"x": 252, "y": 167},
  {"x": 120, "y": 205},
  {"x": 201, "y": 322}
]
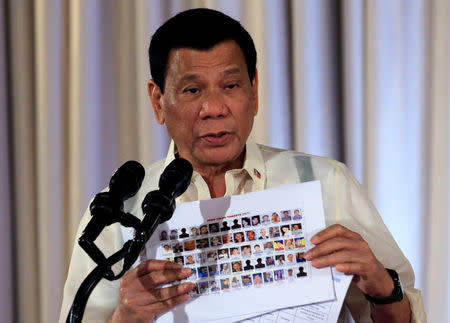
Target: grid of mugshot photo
[{"x": 240, "y": 251}]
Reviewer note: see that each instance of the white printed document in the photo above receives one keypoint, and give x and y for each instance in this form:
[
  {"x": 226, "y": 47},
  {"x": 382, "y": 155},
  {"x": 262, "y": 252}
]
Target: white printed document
[
  {"x": 246, "y": 252},
  {"x": 324, "y": 312}
]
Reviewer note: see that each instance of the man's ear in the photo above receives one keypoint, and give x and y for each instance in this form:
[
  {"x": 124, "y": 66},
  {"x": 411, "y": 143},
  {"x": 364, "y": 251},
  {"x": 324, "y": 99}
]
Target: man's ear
[
  {"x": 255, "y": 91},
  {"x": 155, "y": 95}
]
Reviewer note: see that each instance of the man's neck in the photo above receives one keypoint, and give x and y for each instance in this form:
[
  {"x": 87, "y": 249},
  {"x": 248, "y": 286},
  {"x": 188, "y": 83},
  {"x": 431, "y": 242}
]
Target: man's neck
[{"x": 214, "y": 175}]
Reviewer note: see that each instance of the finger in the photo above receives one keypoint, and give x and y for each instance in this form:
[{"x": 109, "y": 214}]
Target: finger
[
  {"x": 159, "y": 294},
  {"x": 330, "y": 246},
  {"x": 160, "y": 277},
  {"x": 163, "y": 306},
  {"x": 340, "y": 257},
  {"x": 152, "y": 265},
  {"x": 333, "y": 231}
]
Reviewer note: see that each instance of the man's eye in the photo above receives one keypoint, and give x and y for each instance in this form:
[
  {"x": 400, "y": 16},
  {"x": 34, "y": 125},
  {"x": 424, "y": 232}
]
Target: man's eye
[
  {"x": 191, "y": 90},
  {"x": 231, "y": 86}
]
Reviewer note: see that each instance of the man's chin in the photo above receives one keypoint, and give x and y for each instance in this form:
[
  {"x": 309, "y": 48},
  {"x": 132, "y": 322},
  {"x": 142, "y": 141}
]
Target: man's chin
[{"x": 221, "y": 157}]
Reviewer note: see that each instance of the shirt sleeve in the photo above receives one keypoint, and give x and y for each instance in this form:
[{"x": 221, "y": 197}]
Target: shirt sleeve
[
  {"x": 347, "y": 203},
  {"x": 104, "y": 297}
]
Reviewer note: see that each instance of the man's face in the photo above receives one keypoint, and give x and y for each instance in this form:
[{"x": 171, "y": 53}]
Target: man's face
[{"x": 208, "y": 105}]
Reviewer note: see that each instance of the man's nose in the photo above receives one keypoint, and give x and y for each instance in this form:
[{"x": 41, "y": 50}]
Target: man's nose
[{"x": 213, "y": 106}]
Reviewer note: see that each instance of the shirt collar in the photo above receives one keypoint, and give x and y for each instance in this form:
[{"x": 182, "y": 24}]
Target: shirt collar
[{"x": 253, "y": 164}]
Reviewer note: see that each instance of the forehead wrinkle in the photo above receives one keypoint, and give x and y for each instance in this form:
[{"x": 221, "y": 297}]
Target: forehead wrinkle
[{"x": 195, "y": 76}]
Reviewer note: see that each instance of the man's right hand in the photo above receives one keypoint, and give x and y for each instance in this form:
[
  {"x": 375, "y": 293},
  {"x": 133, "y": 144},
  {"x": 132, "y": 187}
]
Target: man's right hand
[{"x": 141, "y": 299}]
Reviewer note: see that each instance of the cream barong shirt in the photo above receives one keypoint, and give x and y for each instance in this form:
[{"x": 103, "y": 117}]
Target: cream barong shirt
[{"x": 345, "y": 203}]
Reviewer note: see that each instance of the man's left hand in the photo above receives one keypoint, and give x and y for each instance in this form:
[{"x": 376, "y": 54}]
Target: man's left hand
[{"x": 347, "y": 250}]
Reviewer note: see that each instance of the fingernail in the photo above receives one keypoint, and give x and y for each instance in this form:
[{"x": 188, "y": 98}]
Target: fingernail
[
  {"x": 186, "y": 271},
  {"x": 307, "y": 255},
  {"x": 314, "y": 239},
  {"x": 190, "y": 286}
]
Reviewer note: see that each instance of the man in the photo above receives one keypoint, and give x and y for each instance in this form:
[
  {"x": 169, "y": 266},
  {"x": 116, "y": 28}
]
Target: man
[{"x": 205, "y": 91}]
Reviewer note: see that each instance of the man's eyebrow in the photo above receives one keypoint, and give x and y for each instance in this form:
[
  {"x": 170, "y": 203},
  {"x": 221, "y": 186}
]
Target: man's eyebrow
[
  {"x": 189, "y": 77},
  {"x": 232, "y": 70}
]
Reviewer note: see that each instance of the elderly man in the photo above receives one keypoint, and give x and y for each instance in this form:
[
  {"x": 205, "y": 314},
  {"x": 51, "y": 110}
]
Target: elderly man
[{"x": 205, "y": 91}]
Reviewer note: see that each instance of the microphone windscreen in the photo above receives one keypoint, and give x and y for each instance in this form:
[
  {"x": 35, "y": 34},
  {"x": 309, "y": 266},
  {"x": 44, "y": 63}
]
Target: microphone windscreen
[
  {"x": 176, "y": 177},
  {"x": 127, "y": 180}
]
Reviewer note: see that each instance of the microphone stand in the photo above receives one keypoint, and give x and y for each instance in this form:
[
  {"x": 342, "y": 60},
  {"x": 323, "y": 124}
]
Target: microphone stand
[
  {"x": 103, "y": 270},
  {"x": 158, "y": 206}
]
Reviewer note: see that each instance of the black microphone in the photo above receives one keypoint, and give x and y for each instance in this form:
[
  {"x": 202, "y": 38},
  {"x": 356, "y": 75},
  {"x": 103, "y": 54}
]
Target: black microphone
[
  {"x": 158, "y": 206},
  {"x": 107, "y": 207}
]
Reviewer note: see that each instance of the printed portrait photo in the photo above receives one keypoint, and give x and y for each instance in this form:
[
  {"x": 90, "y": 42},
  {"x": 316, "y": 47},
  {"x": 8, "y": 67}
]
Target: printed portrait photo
[
  {"x": 223, "y": 254},
  {"x": 290, "y": 273},
  {"x": 214, "y": 228},
  {"x": 213, "y": 287},
  {"x": 296, "y": 229},
  {"x": 203, "y": 287},
  {"x": 225, "y": 284},
  {"x": 238, "y": 237},
  {"x": 236, "y": 282},
  {"x": 189, "y": 245},
  {"x": 225, "y": 269},
  {"x": 202, "y": 243},
  {"x": 212, "y": 270},
  {"x": 246, "y": 280},
  {"x": 202, "y": 272},
  {"x": 236, "y": 266},
  {"x": 246, "y": 251},
  {"x": 299, "y": 242},
  {"x": 274, "y": 232},
  {"x": 268, "y": 277},
  {"x": 263, "y": 234},
  {"x": 278, "y": 245},
  {"x": 286, "y": 216},
  {"x": 245, "y": 222},
  {"x": 297, "y": 215},
  {"x": 265, "y": 219},
  {"x": 201, "y": 257},
  {"x": 173, "y": 234},
  {"x": 166, "y": 248},
  {"x": 257, "y": 249},
  {"x": 236, "y": 224},
  {"x": 248, "y": 265},
  {"x": 215, "y": 241},
  {"x": 275, "y": 217},
  {"x": 290, "y": 259},
  {"x": 235, "y": 252},
  {"x": 189, "y": 259},
  {"x": 177, "y": 247},
  {"x": 259, "y": 263},
  {"x": 256, "y": 220},
  {"x": 301, "y": 272},
  {"x": 278, "y": 274},
  {"x": 204, "y": 229},
  {"x": 279, "y": 260},
  {"x": 257, "y": 279},
  {"x": 285, "y": 230},
  {"x": 250, "y": 235},
  {"x": 268, "y": 246},
  {"x": 163, "y": 235},
  {"x": 225, "y": 226},
  {"x": 179, "y": 260},
  {"x": 226, "y": 238},
  {"x": 288, "y": 244},
  {"x": 211, "y": 255},
  {"x": 299, "y": 257},
  {"x": 183, "y": 233},
  {"x": 270, "y": 261},
  {"x": 194, "y": 231}
]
